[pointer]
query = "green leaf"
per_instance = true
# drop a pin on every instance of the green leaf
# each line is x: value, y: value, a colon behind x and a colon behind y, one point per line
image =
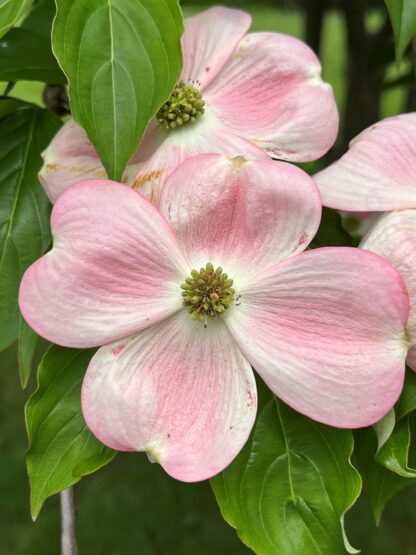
x: 9, y: 104
x: 122, y: 60
x: 11, y: 11
x: 407, y: 401
x: 287, y: 491
x: 24, y: 207
x: 394, y: 454
x: 331, y: 232
x: 26, y: 349
x: 384, y: 428
x: 40, y: 18
x: 26, y: 52
x: 26, y: 55
x: 380, y: 483
x: 403, y: 19
x: 61, y: 448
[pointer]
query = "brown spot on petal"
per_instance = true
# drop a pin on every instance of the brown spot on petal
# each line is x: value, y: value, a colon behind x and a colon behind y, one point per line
x: 207, y: 69
x: 251, y: 397
x: 117, y: 350
x: 141, y: 180
x: 94, y: 172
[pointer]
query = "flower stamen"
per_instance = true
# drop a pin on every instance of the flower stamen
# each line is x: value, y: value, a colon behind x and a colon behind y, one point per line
x: 207, y: 293
x: 185, y: 105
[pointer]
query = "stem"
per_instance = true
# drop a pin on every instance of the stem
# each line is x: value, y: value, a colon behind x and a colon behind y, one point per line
x: 68, y: 537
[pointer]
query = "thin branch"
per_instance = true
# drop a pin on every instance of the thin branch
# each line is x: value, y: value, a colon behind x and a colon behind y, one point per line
x: 68, y: 536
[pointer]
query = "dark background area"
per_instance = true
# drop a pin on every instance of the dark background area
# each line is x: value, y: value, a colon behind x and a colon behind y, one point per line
x: 132, y: 506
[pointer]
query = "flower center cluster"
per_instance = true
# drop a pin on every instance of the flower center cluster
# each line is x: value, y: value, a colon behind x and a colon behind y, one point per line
x: 185, y: 105
x: 207, y: 293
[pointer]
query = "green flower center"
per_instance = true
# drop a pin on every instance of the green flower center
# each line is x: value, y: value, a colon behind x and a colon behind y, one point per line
x: 185, y: 105
x: 207, y: 293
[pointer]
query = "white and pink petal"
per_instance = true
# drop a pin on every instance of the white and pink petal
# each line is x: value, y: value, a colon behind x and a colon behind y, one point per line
x: 242, y: 215
x: 394, y: 237
x: 378, y: 172
x: 184, y: 394
x: 70, y: 158
x: 161, y: 151
x: 209, y: 40
x: 115, y: 268
x: 326, y: 331
x: 271, y: 93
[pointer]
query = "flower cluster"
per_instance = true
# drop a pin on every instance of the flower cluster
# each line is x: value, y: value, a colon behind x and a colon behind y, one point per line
x: 200, y: 270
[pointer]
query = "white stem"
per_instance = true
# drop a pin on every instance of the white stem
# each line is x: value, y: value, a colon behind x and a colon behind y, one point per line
x: 68, y: 536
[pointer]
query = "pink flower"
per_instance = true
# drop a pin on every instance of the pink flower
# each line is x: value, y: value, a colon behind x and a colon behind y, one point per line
x: 379, y: 173
x: 324, y: 328
x: 394, y: 237
x: 259, y: 89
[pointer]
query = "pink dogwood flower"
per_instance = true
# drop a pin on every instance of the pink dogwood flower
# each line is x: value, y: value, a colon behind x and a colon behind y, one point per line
x: 237, y: 92
x: 379, y: 173
x: 394, y: 237
x: 187, y: 297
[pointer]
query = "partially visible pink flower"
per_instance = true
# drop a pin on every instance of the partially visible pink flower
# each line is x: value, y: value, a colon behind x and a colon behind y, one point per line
x: 323, y: 328
x: 262, y: 89
x: 378, y: 173
x: 394, y: 237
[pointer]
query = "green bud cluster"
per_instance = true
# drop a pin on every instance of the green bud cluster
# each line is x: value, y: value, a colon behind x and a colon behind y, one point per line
x: 207, y: 293
x: 184, y: 106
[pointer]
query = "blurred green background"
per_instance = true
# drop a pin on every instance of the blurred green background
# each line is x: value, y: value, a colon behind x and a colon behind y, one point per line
x: 131, y: 506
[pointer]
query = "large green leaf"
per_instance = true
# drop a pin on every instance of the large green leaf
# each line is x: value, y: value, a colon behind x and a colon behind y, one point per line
x: 403, y: 19
x: 287, y: 491
x: 26, y: 52
x: 24, y: 208
x: 40, y: 18
x: 381, y: 484
x: 11, y: 11
x: 27, y: 55
x: 61, y: 449
x: 122, y: 59
x: 9, y: 104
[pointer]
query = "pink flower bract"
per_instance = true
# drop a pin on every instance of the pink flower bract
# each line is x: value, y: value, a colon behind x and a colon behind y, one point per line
x: 323, y: 328
x: 260, y: 90
x: 394, y: 237
x: 379, y: 173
